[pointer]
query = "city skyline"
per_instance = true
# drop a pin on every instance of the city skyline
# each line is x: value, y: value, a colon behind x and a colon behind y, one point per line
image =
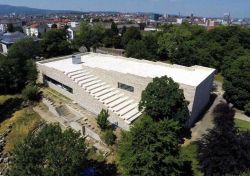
x: 212, y: 8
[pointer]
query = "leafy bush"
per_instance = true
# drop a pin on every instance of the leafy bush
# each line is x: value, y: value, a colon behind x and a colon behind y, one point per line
x: 109, y: 137
x: 31, y: 92
x: 247, y: 109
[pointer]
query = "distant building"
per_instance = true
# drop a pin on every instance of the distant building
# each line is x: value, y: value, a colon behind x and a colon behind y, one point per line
x: 36, y: 29
x: 179, y: 21
x: 8, y: 39
x: 211, y: 24
x: 4, y: 24
x: 154, y: 16
x: 100, y: 81
x: 73, y: 24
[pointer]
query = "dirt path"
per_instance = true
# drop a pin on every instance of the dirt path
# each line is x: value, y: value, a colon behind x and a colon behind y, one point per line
x: 45, y: 114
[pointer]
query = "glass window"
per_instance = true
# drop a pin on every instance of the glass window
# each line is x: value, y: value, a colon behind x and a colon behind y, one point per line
x: 125, y: 87
x: 67, y: 88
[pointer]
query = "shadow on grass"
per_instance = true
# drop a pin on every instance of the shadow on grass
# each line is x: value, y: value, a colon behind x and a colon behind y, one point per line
x: 102, y: 168
x: 9, y: 107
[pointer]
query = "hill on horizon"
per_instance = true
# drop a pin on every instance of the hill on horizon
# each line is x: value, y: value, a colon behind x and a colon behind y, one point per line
x: 7, y: 9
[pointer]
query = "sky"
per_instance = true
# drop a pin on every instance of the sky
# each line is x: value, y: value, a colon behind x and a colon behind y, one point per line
x: 208, y: 8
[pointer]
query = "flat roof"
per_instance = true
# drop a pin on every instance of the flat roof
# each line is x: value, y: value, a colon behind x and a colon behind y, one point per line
x: 186, y: 75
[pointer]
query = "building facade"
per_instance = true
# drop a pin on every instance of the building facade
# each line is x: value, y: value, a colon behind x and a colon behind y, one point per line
x: 98, y: 81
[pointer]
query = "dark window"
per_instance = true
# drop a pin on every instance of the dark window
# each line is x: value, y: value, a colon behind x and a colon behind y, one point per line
x: 126, y: 87
x: 67, y: 88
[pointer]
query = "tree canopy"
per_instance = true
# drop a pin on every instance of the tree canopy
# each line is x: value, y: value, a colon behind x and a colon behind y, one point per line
x: 18, y: 68
x: 237, y: 82
x: 102, y: 119
x: 131, y: 34
x: 89, y: 36
x: 150, y: 148
x: 55, y: 43
x: 223, y: 151
x: 162, y: 99
x: 50, y: 151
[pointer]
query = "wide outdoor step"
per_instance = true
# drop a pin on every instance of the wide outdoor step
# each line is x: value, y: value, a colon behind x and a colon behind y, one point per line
x: 117, y: 102
x: 83, y: 78
x: 113, y: 98
x: 89, y: 88
x: 75, y: 73
x: 91, y: 83
x: 122, y: 105
x: 72, y: 72
x: 104, y: 92
x: 133, y: 118
x: 80, y: 75
x: 99, y: 89
x: 87, y: 81
x: 108, y: 95
x: 130, y: 114
x: 128, y: 109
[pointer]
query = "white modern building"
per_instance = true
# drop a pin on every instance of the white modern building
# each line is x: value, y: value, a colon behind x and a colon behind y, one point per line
x: 36, y: 29
x: 97, y: 81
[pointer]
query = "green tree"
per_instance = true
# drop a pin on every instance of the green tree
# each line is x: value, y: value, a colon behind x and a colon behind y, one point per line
x: 186, y: 54
x: 162, y: 99
x: 11, y: 79
x: 151, y: 43
x: 247, y: 109
x: 109, y: 137
x: 137, y: 49
x: 131, y: 33
x: 237, y: 82
x: 102, y: 119
x: 222, y: 151
x: 150, y: 148
x: 114, y: 29
x: 55, y: 43
x: 25, y: 49
x: 90, y: 36
x: 49, y: 152
x: 170, y: 40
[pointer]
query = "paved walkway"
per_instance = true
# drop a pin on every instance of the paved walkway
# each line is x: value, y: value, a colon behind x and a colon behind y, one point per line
x: 206, y: 122
x: 241, y: 116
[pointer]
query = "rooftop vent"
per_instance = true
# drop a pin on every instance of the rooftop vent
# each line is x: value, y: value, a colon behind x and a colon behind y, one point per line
x: 76, y: 59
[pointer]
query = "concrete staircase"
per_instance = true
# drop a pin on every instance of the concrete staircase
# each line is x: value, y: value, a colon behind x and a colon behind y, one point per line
x: 115, y: 101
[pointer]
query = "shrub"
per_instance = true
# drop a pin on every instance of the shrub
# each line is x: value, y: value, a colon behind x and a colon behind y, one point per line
x: 30, y: 92
x: 109, y: 137
x: 247, y: 109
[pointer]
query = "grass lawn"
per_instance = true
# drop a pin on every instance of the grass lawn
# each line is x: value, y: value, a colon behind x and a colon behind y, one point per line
x: 23, y: 121
x: 4, y: 98
x: 189, y: 153
x: 242, y: 124
x: 48, y: 92
x: 219, y: 77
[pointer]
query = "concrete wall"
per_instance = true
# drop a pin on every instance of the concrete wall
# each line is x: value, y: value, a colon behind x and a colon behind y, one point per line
x: 4, y: 48
x: 198, y: 97
x: 89, y: 132
x: 79, y: 95
x: 202, y: 97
